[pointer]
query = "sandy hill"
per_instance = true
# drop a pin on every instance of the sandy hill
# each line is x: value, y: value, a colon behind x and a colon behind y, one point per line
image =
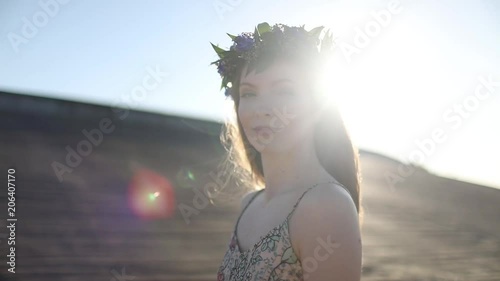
x: 82, y: 227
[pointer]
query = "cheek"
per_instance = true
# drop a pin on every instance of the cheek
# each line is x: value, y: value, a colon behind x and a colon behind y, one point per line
x: 244, y: 115
x: 295, y: 119
x: 242, y: 111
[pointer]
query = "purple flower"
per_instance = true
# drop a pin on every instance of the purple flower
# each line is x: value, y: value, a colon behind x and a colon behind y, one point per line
x: 243, y: 42
x: 221, y: 67
x: 227, y: 93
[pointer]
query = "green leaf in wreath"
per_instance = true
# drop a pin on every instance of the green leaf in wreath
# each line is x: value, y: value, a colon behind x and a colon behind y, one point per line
x: 224, y: 83
x: 263, y: 28
x: 256, y: 35
x: 221, y: 52
x: 215, y: 62
x: 327, y: 44
x: 315, y: 32
x: 232, y: 36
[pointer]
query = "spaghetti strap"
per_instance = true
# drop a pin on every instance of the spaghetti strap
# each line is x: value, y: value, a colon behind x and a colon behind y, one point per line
x: 297, y: 203
x: 244, y: 208
x: 298, y: 200
x: 346, y: 189
x: 294, y: 207
x: 253, y: 197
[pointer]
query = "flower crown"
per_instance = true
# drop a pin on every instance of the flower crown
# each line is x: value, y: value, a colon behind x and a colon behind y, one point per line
x: 267, y: 40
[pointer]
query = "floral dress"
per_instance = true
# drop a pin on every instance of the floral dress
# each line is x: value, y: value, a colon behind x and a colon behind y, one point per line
x: 271, y: 258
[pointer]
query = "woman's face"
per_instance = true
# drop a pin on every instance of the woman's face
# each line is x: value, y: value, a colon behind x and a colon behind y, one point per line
x: 279, y: 101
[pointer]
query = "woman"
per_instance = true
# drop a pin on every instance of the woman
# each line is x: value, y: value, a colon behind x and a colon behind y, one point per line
x: 291, y: 146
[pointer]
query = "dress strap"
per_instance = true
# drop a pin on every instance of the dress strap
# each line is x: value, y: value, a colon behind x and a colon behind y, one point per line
x: 297, y: 203
x: 244, y: 208
x: 253, y: 197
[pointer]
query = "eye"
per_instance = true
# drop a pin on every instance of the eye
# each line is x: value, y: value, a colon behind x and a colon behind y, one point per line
x: 285, y: 92
x: 243, y: 95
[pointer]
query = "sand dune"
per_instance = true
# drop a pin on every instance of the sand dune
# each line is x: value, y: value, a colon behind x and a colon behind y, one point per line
x: 425, y: 228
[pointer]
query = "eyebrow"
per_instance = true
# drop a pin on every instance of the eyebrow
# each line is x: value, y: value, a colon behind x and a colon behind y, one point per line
x: 272, y: 84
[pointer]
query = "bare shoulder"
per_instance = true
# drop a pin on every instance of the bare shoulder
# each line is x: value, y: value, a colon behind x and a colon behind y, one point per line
x: 329, y: 204
x: 326, y: 228
x: 330, y: 199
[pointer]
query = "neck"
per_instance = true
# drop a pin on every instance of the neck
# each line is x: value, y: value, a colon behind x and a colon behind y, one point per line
x: 294, y: 169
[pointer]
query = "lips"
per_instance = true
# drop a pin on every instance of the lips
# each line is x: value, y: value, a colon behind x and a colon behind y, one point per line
x: 263, y: 129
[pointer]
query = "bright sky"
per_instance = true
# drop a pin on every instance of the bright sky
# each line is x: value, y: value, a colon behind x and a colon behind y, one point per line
x: 415, y: 78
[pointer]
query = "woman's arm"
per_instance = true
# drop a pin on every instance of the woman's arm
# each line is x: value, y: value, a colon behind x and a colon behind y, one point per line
x: 328, y: 236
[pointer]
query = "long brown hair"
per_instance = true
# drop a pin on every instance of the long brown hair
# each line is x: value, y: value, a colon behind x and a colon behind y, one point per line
x: 333, y: 144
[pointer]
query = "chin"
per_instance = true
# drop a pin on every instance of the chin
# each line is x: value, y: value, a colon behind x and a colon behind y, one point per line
x: 272, y: 146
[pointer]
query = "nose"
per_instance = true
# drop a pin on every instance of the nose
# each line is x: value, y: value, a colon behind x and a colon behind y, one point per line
x: 263, y: 110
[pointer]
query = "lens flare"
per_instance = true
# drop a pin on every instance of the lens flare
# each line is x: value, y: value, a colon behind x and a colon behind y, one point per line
x: 185, y: 177
x: 151, y: 196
